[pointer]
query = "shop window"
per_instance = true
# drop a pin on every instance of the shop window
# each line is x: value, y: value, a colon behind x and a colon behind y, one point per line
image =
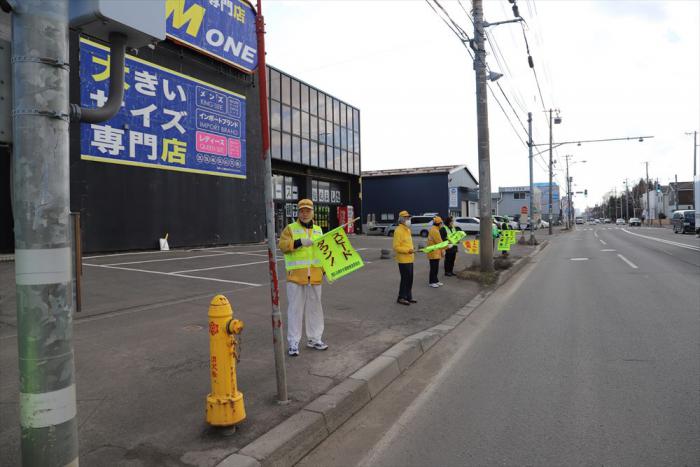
x: 304, y: 97
x: 275, y: 84
x: 313, y: 101
x: 313, y: 130
x: 329, y: 108
x: 329, y: 157
x: 286, y: 119
x: 296, y: 122
x: 314, y: 190
x: 275, y: 116
x: 286, y: 90
x: 278, y: 183
x: 343, y: 114
x: 305, y: 124
x: 296, y: 149
x: 286, y: 147
x: 295, y: 94
x: 322, y: 156
x: 322, y: 216
x: 276, y: 144
x: 313, y: 152
x: 336, y: 111
x: 321, y: 105
x: 305, y: 151
x: 336, y: 159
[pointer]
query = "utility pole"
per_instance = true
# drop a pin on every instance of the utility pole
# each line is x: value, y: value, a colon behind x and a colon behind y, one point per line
x: 695, y: 152
x: 648, y: 205
x: 627, y: 200
x: 675, y: 191
x: 277, y: 335
x: 532, y: 192
x: 43, y: 247
x: 486, y: 245
x: 550, y: 168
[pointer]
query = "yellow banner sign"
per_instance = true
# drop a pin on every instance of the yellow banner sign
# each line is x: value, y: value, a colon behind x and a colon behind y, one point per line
x: 338, y: 257
x: 471, y: 246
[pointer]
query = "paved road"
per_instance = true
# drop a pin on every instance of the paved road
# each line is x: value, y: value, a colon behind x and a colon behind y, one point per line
x: 591, y: 357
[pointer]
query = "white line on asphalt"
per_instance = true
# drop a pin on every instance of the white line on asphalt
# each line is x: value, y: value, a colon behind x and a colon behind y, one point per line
x: 608, y: 249
x: 668, y: 242
x: 220, y: 267
x: 579, y: 259
x: 602, y: 241
x: 629, y: 263
x: 595, y: 233
x: 159, y: 260
x: 174, y: 274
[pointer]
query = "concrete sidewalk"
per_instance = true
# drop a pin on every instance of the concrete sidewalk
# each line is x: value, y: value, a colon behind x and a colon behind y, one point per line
x: 142, y: 357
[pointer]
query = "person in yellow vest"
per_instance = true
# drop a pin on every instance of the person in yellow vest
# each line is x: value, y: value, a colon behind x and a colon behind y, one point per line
x: 435, y: 255
x: 451, y: 253
x: 403, y: 247
x: 304, y: 279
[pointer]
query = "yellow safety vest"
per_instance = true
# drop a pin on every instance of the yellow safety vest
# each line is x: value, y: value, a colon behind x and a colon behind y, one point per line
x: 304, y: 257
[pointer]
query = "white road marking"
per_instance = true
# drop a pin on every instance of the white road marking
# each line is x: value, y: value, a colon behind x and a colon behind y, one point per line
x: 629, y: 263
x: 608, y: 249
x: 602, y: 241
x: 220, y: 267
x: 668, y: 242
x: 595, y: 233
x: 579, y: 259
x: 175, y: 275
x: 158, y: 260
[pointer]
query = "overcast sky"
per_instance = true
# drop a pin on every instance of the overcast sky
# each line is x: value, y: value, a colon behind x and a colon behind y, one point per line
x: 613, y: 68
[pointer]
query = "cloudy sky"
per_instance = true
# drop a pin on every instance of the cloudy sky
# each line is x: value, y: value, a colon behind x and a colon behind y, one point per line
x: 614, y: 69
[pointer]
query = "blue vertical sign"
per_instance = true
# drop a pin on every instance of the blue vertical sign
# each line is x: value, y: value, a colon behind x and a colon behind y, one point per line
x: 167, y: 121
x: 222, y: 29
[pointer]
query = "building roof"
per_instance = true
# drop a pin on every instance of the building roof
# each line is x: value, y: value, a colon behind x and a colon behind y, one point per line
x: 417, y: 171
x: 681, y: 185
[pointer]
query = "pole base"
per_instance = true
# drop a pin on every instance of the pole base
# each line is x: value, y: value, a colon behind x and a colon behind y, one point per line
x: 225, y: 410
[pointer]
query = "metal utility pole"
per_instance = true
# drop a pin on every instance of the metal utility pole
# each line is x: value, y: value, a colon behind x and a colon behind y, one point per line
x: 675, y: 191
x: 695, y: 152
x: 648, y: 205
x: 277, y: 334
x: 43, y: 251
x: 486, y: 245
x: 529, y: 146
x: 550, y: 171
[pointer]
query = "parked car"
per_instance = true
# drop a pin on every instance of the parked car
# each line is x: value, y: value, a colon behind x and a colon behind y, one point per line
x: 635, y: 221
x: 683, y: 221
x: 579, y: 220
x: 607, y: 220
x: 620, y: 222
x: 502, y: 219
x: 420, y: 225
x: 467, y: 224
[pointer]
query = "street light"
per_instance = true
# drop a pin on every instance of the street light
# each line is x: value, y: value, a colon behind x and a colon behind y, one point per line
x: 557, y: 121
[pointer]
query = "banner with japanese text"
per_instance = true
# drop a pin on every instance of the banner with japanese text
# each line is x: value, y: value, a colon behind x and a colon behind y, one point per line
x: 338, y: 257
x: 168, y: 120
x: 222, y: 29
x: 471, y: 247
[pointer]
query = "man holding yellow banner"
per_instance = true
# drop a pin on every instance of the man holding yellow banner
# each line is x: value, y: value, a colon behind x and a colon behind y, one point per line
x: 304, y: 279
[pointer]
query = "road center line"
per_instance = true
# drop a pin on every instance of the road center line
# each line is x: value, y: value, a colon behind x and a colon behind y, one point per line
x: 668, y: 242
x: 629, y: 263
x: 602, y: 241
x: 608, y: 249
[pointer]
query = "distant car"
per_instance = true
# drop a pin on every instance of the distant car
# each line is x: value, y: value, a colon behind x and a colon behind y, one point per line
x: 579, y: 220
x: 467, y: 224
x: 501, y: 219
x: 635, y: 221
x: 596, y: 221
x: 420, y: 225
x: 607, y: 220
x: 591, y: 221
x: 620, y: 222
x: 683, y: 221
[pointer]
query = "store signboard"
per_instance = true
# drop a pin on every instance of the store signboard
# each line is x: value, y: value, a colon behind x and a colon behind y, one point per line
x: 168, y: 121
x: 222, y: 29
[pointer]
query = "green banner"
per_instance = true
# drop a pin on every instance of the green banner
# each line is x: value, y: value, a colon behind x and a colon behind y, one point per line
x: 338, y: 257
x: 456, y: 236
x: 437, y: 246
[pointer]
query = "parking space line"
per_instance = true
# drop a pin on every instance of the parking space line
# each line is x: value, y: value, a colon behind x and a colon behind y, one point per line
x: 159, y: 260
x: 221, y: 267
x: 629, y: 263
x: 175, y: 275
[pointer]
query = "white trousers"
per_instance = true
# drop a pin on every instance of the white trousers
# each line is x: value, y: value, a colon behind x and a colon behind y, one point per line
x: 304, y: 298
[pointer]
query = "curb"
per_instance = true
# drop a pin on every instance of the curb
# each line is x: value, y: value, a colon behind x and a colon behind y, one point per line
x: 291, y: 440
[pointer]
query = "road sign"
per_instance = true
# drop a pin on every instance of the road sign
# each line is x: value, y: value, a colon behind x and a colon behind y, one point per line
x: 523, y: 210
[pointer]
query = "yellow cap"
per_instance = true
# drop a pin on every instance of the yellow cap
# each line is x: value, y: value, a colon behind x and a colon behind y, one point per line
x: 305, y: 204
x: 404, y: 214
x: 437, y: 220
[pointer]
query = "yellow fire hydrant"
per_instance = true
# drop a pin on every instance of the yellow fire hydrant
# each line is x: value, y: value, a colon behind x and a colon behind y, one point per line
x: 224, y: 403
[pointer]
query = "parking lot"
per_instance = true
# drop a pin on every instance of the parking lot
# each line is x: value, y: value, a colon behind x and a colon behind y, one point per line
x: 142, y: 350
